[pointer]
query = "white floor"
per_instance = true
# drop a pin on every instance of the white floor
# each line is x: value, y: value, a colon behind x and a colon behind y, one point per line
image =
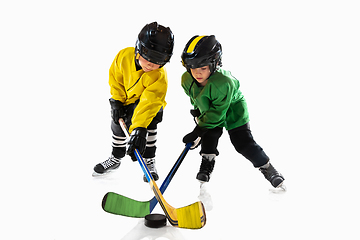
x: 298, y: 64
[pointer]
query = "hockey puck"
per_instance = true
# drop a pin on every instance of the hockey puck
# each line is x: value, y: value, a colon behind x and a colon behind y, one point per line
x: 155, y: 220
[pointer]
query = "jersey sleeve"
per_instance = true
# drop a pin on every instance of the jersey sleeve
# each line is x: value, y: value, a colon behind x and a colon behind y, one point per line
x: 186, y: 82
x: 151, y: 100
x: 117, y: 89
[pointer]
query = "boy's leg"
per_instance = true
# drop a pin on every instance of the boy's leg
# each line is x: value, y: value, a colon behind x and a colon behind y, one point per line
x: 150, y: 150
x: 119, y: 138
x: 118, y: 143
x: 209, y: 143
x: 118, y: 152
x: 245, y: 144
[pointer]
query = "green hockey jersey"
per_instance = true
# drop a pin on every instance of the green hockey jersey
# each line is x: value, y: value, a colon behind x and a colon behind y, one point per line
x: 220, y: 101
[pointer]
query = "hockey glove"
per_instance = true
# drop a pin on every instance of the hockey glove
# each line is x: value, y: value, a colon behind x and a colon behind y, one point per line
x: 117, y: 110
x: 196, y: 114
x: 137, y: 141
x: 194, y: 137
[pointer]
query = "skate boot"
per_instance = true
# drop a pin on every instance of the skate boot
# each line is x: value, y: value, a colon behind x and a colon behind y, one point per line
x: 111, y: 164
x: 273, y: 176
x: 150, y: 163
x: 206, y: 167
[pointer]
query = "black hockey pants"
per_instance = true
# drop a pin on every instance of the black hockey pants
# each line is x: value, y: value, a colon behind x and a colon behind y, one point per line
x: 242, y: 140
x: 119, y: 139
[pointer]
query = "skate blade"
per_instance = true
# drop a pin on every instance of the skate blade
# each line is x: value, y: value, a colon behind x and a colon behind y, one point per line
x: 95, y: 174
x: 279, y: 190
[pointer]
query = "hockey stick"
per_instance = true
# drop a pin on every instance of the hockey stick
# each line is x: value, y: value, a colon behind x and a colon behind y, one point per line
x: 118, y: 204
x: 192, y: 216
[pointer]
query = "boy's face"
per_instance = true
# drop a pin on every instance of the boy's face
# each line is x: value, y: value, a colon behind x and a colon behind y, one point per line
x: 201, y: 74
x: 146, y: 65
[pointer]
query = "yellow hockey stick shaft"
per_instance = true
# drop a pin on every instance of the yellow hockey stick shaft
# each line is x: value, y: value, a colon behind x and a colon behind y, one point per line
x: 192, y: 216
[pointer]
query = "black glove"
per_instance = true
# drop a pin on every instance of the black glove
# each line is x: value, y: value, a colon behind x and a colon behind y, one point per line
x: 195, y: 112
x: 137, y: 141
x: 117, y: 110
x: 194, y: 136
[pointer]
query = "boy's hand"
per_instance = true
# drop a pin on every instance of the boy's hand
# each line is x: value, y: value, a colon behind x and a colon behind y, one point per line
x: 137, y: 141
x: 195, y: 113
x: 194, y: 137
x: 117, y: 110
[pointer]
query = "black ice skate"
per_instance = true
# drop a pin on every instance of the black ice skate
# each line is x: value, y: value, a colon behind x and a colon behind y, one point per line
x: 150, y: 163
x: 206, y: 168
x: 110, y: 164
x: 273, y: 176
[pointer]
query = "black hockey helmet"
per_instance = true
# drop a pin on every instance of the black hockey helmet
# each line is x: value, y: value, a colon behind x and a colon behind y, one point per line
x: 155, y: 43
x: 202, y: 51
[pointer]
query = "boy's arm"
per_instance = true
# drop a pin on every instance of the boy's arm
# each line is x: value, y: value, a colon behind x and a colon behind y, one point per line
x: 220, y: 100
x: 151, y: 101
x: 186, y: 82
x: 117, y: 89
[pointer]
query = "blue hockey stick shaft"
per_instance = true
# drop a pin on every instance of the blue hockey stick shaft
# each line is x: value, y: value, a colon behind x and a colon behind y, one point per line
x: 170, y: 176
x: 146, y: 171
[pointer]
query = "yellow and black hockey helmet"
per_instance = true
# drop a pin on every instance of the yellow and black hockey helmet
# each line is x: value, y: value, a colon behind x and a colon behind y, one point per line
x: 202, y: 51
x: 155, y: 43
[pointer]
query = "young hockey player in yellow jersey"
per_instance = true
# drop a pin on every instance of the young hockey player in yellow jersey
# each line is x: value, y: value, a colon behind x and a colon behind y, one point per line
x: 138, y: 85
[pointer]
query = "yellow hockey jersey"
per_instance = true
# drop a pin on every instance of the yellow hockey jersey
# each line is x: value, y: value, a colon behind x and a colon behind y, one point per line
x: 128, y: 85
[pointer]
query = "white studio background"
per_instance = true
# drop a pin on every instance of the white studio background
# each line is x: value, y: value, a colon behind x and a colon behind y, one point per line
x: 298, y: 65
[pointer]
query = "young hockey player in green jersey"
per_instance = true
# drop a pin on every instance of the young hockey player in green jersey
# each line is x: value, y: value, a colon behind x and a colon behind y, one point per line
x: 219, y: 103
x: 138, y: 85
